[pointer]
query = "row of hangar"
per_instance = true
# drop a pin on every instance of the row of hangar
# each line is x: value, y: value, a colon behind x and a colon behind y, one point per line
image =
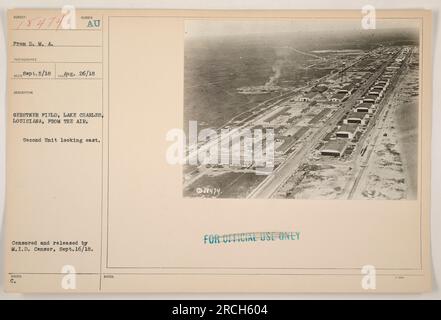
x: 359, y: 116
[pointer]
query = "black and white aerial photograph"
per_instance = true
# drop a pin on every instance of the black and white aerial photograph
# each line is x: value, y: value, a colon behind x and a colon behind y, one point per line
x: 301, y: 109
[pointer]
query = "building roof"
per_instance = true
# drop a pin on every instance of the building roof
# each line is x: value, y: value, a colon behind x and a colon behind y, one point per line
x: 356, y: 115
x: 365, y: 105
x: 335, y: 146
x: 350, y: 128
x: 370, y: 96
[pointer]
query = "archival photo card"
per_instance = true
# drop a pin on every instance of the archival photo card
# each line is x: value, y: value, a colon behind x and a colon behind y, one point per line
x: 157, y: 151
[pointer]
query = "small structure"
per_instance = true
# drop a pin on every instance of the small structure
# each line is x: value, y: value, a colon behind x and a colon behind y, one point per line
x: 334, y: 148
x: 383, y: 82
x: 365, y: 107
x: 347, y: 90
x: 378, y: 86
x: 371, y: 98
x: 356, y: 117
x: 376, y: 92
x: 347, y: 131
x: 393, y: 67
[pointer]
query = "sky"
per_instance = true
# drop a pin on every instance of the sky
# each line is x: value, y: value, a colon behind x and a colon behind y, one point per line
x: 204, y: 28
